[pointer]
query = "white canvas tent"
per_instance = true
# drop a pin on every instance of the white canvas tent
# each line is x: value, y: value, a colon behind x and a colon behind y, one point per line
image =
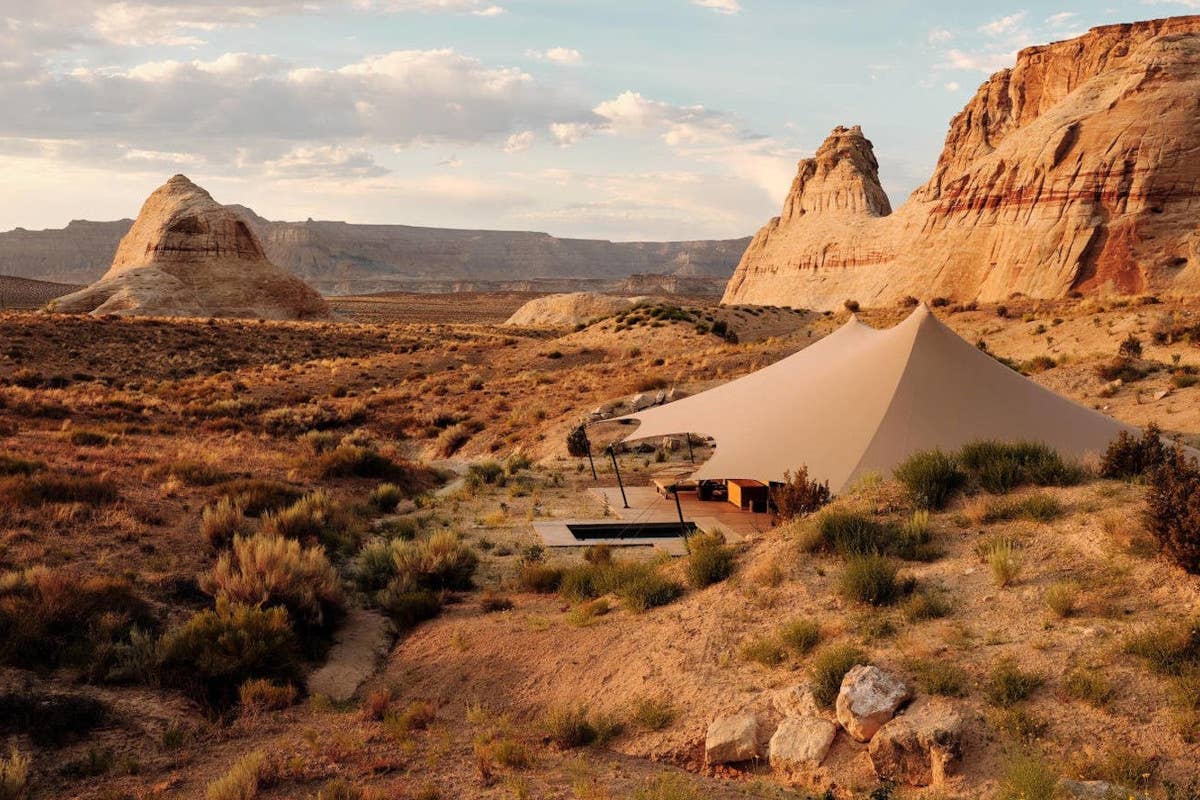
x: 863, y: 400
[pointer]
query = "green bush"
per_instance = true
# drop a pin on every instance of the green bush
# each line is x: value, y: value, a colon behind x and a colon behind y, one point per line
x: 645, y: 590
x: 1000, y: 467
x: 374, y: 568
x: 800, y: 635
x: 353, y: 461
x: 1169, y: 648
x: 438, y: 563
x: 710, y: 560
x: 1008, y: 684
x: 829, y: 667
x: 940, y: 677
x: 930, y: 478
x: 1173, y: 509
x: 639, y: 584
x: 925, y: 605
x: 1027, y: 777
x: 570, y: 727
x: 1088, y: 685
x: 408, y: 607
x: 1129, y: 457
x: 654, y: 713
x: 764, y: 650
x: 539, y: 578
x: 315, y: 519
x: 216, y: 651
x: 872, y: 579
x: 852, y: 533
x: 386, y: 497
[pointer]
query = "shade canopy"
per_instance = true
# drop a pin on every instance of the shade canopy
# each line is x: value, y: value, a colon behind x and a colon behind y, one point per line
x: 863, y: 400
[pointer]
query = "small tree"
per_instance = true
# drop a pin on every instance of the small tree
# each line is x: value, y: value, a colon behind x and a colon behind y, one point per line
x: 577, y: 442
x: 1131, y: 347
x: 1173, y: 509
x: 798, y: 495
x: 1128, y: 457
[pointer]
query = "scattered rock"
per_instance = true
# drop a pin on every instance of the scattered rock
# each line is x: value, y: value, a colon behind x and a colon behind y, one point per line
x: 801, y: 742
x: 731, y: 739
x: 919, y: 748
x: 869, y: 697
x: 796, y: 701
x: 1161, y: 394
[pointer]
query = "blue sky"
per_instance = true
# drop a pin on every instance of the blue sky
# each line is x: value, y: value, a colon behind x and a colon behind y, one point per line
x: 621, y: 119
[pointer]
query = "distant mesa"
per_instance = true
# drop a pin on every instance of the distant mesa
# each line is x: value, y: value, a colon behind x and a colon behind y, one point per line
x: 1074, y: 171
x: 189, y: 256
x: 569, y: 310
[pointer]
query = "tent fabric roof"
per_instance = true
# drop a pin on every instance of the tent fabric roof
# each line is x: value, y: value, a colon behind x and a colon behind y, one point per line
x: 863, y: 400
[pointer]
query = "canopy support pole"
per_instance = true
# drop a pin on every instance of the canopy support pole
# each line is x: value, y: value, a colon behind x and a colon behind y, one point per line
x: 691, y: 455
x: 683, y: 531
x: 587, y: 443
x: 613, y: 454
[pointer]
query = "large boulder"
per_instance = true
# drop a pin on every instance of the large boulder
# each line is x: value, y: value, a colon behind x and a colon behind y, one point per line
x: 189, y: 256
x: 919, y: 748
x: 869, y: 697
x: 801, y: 743
x: 796, y: 701
x: 732, y: 739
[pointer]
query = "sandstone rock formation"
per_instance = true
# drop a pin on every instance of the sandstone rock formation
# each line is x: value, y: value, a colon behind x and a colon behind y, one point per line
x: 921, y: 748
x: 568, y: 310
x: 1072, y: 171
x: 801, y: 743
x: 731, y: 739
x: 187, y: 255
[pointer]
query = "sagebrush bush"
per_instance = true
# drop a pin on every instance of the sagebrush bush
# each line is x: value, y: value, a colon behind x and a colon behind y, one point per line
x: 46, y: 488
x: 1169, y: 648
x: 765, y: 650
x: 14, y: 775
x: 258, y: 694
x: 570, y: 727
x: 1008, y: 684
x: 221, y: 522
x: 1088, y: 685
x: 242, y: 780
x: 1027, y: 777
x: 387, y: 497
x: 940, y: 677
x: 540, y: 578
x: 638, y: 584
x: 269, y: 570
x: 1000, y: 467
x: 315, y: 519
x: 642, y: 591
x: 217, y: 650
x: 374, y: 568
x: 799, y: 495
x: 256, y: 496
x: 1173, y: 509
x: 353, y: 461
x: 710, y: 560
x: 440, y: 562
x: 654, y: 713
x: 850, y: 533
x: 407, y: 606
x: 828, y: 669
x: 53, y: 617
x: 1129, y: 457
x: 872, y: 579
x: 191, y: 472
x: 800, y: 635
x: 930, y: 478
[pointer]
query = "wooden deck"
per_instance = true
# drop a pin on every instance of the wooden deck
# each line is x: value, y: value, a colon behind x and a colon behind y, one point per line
x: 647, y: 505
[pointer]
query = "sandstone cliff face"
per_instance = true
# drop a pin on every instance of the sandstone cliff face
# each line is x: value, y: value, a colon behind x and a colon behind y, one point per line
x: 188, y: 255
x: 1073, y: 171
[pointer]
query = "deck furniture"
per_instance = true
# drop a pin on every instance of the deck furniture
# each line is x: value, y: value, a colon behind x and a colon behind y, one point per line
x: 748, y: 494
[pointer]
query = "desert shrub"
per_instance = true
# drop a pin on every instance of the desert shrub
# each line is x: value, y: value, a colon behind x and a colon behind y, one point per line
x: 354, y: 461
x: 644, y: 590
x: 930, y: 478
x: 256, y: 496
x: 638, y: 584
x: 242, y: 780
x: 1000, y: 467
x: 852, y: 306
x: 317, y: 442
x: 295, y: 420
x: 485, y: 473
x: 1003, y: 559
x: 314, y: 519
x: 451, y: 440
x: 492, y: 601
x: 1172, y: 649
x: 654, y: 713
x: 926, y: 604
x: 188, y: 471
x: 1173, y: 509
x: 1039, y: 507
x: 1008, y: 684
x: 14, y: 775
x: 764, y: 650
x: 577, y: 442
x: 51, y: 618
x: 42, y: 488
x: 800, y: 635
x: 710, y: 560
x: 588, y: 612
x: 211, y: 655
x: 1062, y: 597
x: 50, y: 719
x: 540, y: 578
x: 872, y: 579
x: 374, y: 568
x: 940, y: 677
x: 1119, y: 766
x: 669, y: 786
x: 13, y: 465
x: 222, y: 521
x: 851, y: 533
x: 1123, y: 369
x: 1027, y: 777
x: 386, y: 497
x: 258, y: 694
x: 341, y: 789
x: 269, y: 571
x: 798, y: 495
x: 1088, y: 685
x: 1131, y: 347
x: 569, y: 727
x: 440, y: 562
x: 828, y: 668
x: 1129, y: 457
x: 408, y: 607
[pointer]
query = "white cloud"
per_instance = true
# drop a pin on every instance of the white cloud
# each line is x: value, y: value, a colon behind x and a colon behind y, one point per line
x: 322, y: 161
x: 939, y: 36
x: 569, y: 133
x: 519, y: 142
x: 557, y: 55
x: 720, y: 6
x: 1003, y: 25
x: 988, y: 61
x: 1061, y: 18
x: 952, y: 86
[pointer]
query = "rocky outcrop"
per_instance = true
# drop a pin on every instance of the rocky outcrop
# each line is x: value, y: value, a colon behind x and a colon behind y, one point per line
x: 923, y: 747
x: 868, y: 699
x: 568, y: 310
x: 801, y: 743
x: 188, y: 255
x: 1072, y: 171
